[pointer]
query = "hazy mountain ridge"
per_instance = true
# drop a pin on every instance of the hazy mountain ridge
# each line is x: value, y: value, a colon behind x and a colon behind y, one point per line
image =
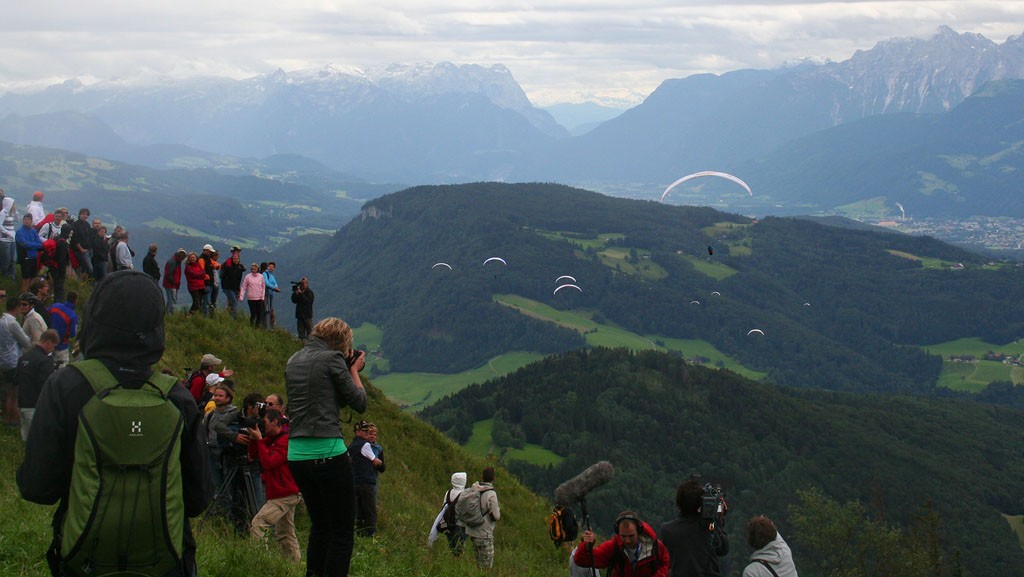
x: 438, y: 123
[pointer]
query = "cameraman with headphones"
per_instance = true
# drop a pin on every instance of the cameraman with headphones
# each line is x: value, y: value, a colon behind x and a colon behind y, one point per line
x: 634, y: 550
x: 696, y: 539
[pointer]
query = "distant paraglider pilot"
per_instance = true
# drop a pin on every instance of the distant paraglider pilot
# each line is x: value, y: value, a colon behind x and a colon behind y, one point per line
x: 711, y: 250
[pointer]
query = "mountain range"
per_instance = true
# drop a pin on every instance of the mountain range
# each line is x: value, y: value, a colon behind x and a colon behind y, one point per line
x: 907, y: 136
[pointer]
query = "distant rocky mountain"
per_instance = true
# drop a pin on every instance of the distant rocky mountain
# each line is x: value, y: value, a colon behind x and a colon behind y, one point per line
x: 423, y: 122
x: 448, y: 123
x: 709, y: 122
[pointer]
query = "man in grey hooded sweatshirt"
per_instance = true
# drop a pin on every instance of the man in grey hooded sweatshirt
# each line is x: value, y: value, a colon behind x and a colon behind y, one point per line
x: 771, y: 556
x: 483, y: 534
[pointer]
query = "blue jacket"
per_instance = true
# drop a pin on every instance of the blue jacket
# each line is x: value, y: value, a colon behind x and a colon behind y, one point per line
x: 29, y: 241
x: 66, y: 329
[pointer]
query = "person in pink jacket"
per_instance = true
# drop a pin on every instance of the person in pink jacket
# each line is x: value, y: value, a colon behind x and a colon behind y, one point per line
x: 253, y: 290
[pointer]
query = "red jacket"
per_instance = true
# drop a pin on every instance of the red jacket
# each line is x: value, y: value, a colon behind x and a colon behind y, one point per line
x: 272, y: 453
x: 172, y: 272
x: 653, y: 556
x: 195, y: 276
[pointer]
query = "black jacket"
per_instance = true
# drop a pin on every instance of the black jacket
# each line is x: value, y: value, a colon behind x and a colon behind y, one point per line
x: 303, y: 303
x: 150, y: 266
x: 34, y: 367
x: 231, y: 273
x: 689, y: 547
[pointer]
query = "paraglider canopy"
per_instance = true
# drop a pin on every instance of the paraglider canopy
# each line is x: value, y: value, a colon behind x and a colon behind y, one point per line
x: 565, y: 286
x: 752, y: 331
x: 724, y: 175
x: 442, y: 264
x: 559, y: 279
x: 498, y: 259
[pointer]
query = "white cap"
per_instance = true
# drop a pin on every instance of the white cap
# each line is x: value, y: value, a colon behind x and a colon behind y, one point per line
x: 208, y: 247
x: 213, y: 379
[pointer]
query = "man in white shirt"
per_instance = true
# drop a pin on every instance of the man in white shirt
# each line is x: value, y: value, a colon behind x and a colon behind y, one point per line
x: 35, y: 208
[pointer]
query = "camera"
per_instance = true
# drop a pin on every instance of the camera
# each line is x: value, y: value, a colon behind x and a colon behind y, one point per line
x: 713, y: 506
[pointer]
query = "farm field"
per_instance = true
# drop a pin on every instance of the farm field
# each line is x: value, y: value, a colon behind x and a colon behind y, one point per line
x: 480, y: 444
x: 973, y: 377
x: 413, y: 391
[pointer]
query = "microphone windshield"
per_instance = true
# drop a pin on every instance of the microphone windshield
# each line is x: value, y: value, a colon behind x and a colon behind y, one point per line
x: 576, y: 489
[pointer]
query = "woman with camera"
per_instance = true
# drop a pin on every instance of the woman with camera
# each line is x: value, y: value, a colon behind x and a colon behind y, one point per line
x: 320, y: 379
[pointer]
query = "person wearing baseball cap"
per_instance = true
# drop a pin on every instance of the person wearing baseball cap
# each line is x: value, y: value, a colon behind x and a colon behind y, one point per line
x: 209, y: 264
x: 197, y: 381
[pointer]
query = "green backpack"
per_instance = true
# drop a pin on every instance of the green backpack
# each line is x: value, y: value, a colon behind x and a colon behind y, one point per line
x: 125, y: 510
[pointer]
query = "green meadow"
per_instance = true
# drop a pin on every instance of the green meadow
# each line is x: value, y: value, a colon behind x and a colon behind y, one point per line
x: 975, y: 376
x: 926, y: 261
x: 413, y: 391
x: 481, y: 444
x: 711, y: 268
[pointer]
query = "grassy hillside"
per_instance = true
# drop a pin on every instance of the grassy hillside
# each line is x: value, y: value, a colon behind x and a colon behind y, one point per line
x: 659, y: 419
x: 420, y: 462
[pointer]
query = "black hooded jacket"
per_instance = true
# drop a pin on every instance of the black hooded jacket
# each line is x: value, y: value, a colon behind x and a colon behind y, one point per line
x: 123, y: 327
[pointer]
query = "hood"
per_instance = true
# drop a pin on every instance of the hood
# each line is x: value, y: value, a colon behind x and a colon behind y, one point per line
x: 645, y: 530
x: 124, y: 320
x: 458, y: 481
x: 773, y: 552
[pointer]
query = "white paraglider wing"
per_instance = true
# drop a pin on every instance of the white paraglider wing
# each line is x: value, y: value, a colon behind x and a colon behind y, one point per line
x: 559, y: 279
x: 498, y: 259
x: 752, y: 331
x: 724, y: 175
x: 566, y: 286
x: 442, y: 264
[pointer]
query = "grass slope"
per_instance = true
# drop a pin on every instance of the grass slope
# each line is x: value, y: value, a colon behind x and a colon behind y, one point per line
x: 420, y: 462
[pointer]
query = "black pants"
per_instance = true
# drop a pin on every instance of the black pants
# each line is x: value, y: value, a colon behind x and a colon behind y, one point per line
x: 366, y: 510
x: 327, y: 489
x: 303, y: 327
x: 255, y: 313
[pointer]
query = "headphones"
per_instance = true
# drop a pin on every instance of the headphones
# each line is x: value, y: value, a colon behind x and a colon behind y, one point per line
x: 627, y: 516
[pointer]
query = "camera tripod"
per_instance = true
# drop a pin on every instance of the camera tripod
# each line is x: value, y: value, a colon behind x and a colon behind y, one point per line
x: 236, y: 494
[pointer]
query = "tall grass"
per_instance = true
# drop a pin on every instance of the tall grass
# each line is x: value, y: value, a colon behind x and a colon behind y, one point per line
x: 419, y: 459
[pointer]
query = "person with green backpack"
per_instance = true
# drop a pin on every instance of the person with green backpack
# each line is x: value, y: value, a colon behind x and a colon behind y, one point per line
x: 119, y: 445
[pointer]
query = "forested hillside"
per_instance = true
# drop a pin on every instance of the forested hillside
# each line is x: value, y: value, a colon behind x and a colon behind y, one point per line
x: 837, y: 307
x: 658, y: 420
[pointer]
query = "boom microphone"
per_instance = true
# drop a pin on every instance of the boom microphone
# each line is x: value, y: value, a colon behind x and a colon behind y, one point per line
x: 576, y: 489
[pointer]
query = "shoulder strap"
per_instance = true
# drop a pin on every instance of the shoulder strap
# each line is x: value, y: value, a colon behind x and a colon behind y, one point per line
x: 101, y: 379
x: 767, y: 565
x: 99, y: 376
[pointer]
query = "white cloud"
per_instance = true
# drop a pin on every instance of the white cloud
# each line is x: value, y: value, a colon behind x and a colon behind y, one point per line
x: 558, y: 50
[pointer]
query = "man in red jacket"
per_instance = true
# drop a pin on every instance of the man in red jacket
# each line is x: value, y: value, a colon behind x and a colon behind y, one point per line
x: 634, y: 551
x: 282, y: 492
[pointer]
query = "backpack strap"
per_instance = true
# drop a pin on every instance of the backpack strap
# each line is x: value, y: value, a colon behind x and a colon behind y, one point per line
x: 101, y: 379
x: 767, y: 566
x: 67, y: 323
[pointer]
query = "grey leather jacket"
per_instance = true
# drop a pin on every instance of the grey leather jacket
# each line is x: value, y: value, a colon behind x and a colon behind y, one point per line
x: 318, y: 384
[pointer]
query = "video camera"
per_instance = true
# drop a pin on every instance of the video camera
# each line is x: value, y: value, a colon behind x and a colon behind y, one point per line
x: 712, y: 506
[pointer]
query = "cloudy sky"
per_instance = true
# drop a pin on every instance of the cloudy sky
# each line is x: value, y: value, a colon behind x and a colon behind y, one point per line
x: 558, y: 50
